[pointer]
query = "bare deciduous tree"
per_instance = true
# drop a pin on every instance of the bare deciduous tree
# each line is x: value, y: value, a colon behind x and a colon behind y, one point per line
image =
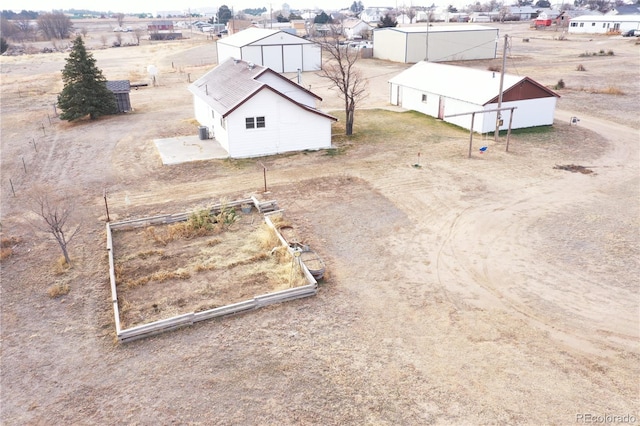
x: 55, y: 214
x: 55, y: 25
x: 411, y: 14
x: 137, y: 34
x: 120, y: 18
x: 342, y: 72
x: 8, y: 28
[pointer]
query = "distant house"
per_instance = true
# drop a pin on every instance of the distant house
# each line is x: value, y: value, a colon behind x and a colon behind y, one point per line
x: 278, y: 50
x: 374, y: 14
x: 253, y: 111
x: 604, y: 24
x: 521, y: 13
x: 435, y: 43
x: 121, y: 90
x: 625, y: 9
x: 355, y: 28
x: 442, y: 90
x: 163, y: 30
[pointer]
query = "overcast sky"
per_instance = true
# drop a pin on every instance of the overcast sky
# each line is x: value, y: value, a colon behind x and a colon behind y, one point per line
x: 129, y: 6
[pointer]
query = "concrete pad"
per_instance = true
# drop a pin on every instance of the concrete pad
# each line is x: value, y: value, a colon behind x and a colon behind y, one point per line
x: 183, y: 149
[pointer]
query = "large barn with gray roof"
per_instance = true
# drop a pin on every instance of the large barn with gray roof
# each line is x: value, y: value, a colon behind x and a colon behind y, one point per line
x: 278, y: 50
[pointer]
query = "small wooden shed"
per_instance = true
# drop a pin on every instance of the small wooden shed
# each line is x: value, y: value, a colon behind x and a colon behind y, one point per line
x: 121, y: 89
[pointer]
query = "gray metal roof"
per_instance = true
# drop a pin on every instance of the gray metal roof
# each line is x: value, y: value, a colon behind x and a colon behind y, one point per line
x: 234, y: 81
x: 438, y: 29
x: 119, y: 86
x: 467, y: 84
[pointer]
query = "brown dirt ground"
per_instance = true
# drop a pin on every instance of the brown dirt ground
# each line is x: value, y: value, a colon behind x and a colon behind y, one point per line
x: 482, y: 291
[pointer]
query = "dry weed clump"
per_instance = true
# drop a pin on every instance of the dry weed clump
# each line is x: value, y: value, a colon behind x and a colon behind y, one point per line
x: 279, y: 221
x: 288, y: 273
x: 611, y: 90
x: 159, y: 276
x: 199, y: 224
x: 267, y: 237
x: 61, y: 266
x: 7, y: 245
x: 58, y: 290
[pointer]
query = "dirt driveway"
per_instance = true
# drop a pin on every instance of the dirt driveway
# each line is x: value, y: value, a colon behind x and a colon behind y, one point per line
x: 466, y: 291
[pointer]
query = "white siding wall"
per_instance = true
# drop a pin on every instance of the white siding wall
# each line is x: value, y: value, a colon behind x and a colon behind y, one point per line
x: 454, y: 106
x: 206, y: 116
x: 600, y: 26
x: 284, y: 58
x: 272, y: 57
x: 252, y: 54
x: 311, y: 57
x: 529, y: 113
x: 292, y: 57
x: 397, y: 46
x: 389, y: 45
x: 225, y: 52
x: 457, y: 45
x: 412, y: 100
x: 288, y: 128
x: 289, y: 89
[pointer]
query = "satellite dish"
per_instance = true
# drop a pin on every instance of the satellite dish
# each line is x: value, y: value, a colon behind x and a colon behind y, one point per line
x: 152, y: 70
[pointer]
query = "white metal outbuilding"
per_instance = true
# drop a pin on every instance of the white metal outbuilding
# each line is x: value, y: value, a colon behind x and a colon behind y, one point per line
x: 590, y: 24
x: 446, y: 91
x: 435, y: 43
x: 275, y: 49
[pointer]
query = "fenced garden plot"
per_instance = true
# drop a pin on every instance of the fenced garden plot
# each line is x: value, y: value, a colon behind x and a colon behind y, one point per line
x: 170, y: 271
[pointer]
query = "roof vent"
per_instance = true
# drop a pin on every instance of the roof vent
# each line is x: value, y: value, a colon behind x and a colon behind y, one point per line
x: 251, y: 65
x: 235, y: 61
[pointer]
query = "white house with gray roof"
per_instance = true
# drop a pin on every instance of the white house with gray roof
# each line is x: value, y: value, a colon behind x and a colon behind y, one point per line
x: 443, y: 91
x: 253, y: 111
x: 276, y: 49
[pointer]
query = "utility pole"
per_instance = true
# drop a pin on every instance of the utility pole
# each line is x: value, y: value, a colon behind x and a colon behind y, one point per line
x: 427, y: 42
x: 504, y: 64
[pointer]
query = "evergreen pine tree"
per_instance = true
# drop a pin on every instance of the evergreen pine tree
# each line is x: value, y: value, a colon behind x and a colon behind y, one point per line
x: 85, y: 90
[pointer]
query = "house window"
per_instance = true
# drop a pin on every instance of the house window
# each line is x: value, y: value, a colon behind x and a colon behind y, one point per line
x: 424, y: 98
x: 593, y: 24
x: 213, y: 114
x: 255, y: 122
x: 574, y: 24
x: 223, y: 123
x: 581, y: 24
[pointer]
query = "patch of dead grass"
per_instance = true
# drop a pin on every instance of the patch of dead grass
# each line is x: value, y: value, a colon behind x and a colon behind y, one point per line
x: 58, y: 290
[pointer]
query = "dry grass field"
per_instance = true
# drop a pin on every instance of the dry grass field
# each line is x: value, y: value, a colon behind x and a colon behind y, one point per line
x: 493, y: 290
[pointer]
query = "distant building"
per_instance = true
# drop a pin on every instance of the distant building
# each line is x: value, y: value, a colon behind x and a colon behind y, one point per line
x: 604, y: 24
x: 435, y: 43
x: 447, y: 91
x: 278, y: 50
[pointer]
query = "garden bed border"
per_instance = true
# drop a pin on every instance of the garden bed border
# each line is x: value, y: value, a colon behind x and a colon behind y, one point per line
x: 267, y: 208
